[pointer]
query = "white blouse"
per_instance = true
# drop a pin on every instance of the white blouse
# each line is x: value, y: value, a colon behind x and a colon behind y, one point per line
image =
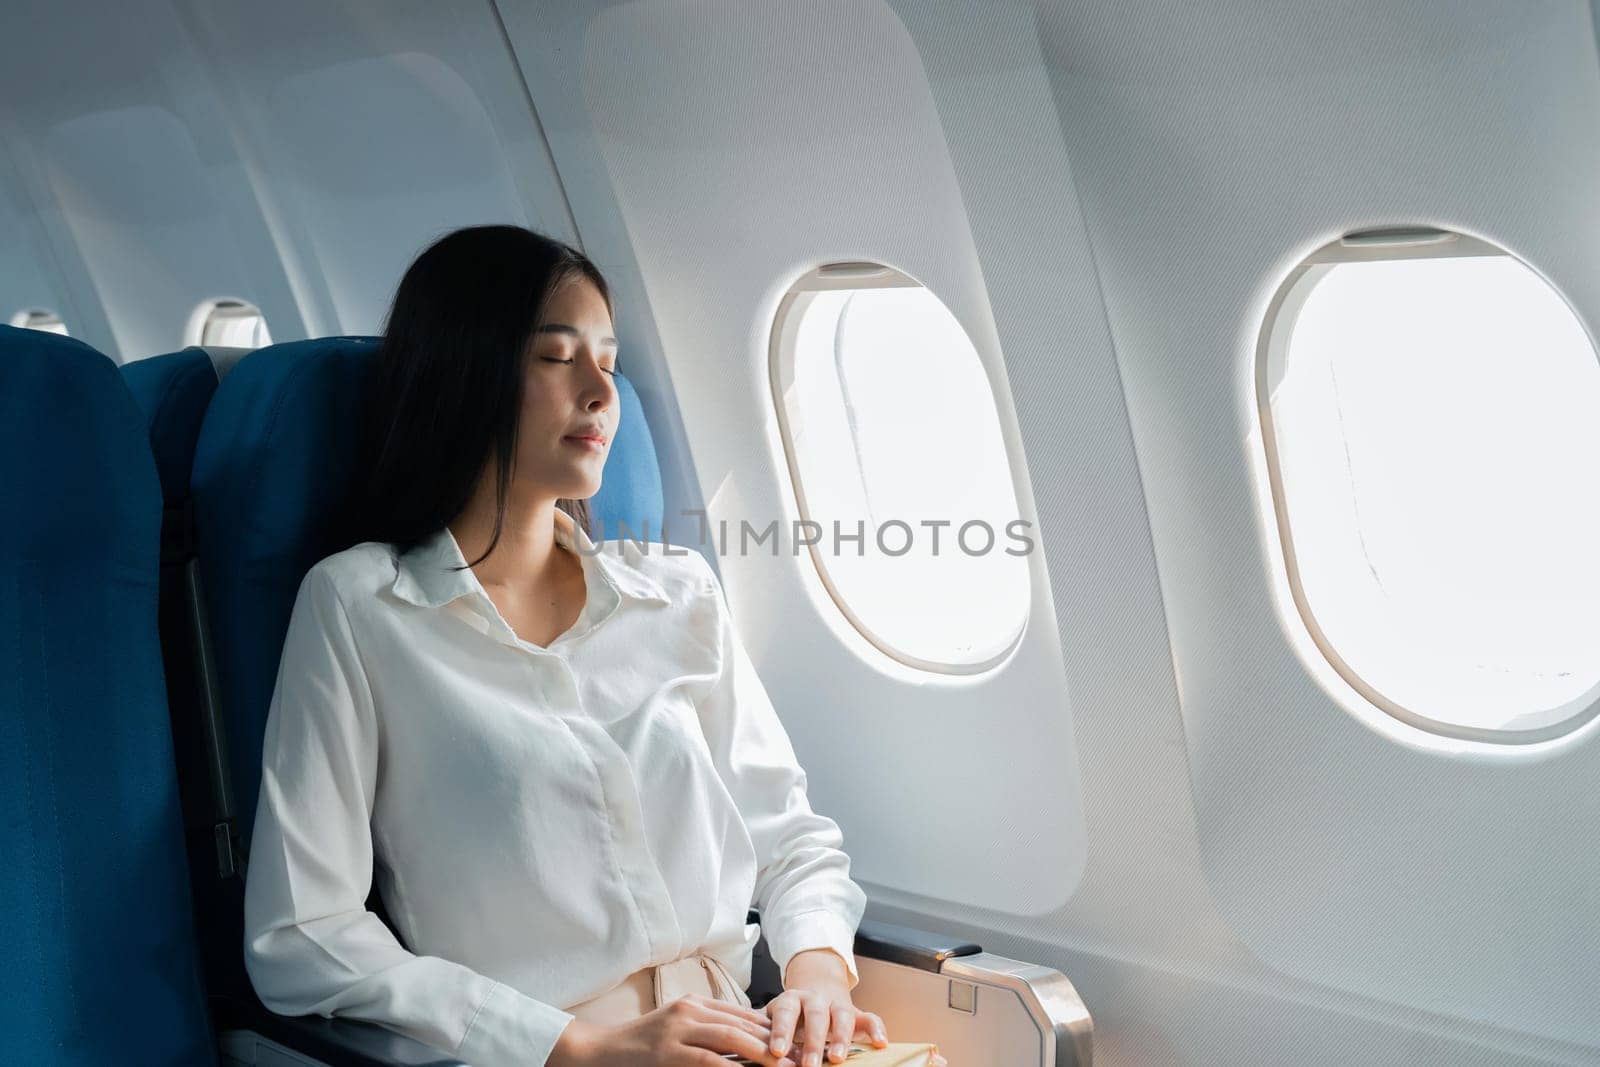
x: 542, y: 822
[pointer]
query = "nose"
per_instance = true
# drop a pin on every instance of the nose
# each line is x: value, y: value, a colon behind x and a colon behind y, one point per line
x: 599, y: 390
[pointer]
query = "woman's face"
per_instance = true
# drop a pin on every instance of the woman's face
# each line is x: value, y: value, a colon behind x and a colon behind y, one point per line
x: 569, y: 400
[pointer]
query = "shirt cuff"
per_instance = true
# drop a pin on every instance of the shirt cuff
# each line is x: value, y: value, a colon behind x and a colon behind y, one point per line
x: 791, y: 935
x: 512, y: 1029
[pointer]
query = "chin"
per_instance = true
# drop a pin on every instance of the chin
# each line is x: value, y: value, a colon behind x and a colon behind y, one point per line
x: 577, y: 488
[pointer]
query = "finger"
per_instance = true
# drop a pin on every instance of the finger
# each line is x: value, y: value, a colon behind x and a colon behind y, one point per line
x: 870, y: 1026
x: 840, y: 1030
x: 760, y: 1025
x: 814, y: 1020
x: 722, y: 1039
x: 729, y: 1007
x: 783, y: 1012
x: 711, y: 1009
x: 760, y: 1031
x: 755, y: 1015
x: 699, y: 1057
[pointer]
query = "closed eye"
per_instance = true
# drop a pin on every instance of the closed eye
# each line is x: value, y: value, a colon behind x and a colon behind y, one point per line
x: 552, y: 359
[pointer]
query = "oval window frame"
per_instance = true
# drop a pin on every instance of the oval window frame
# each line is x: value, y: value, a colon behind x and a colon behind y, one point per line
x: 1282, y: 312
x: 786, y: 322
x: 30, y: 318
x: 194, y: 330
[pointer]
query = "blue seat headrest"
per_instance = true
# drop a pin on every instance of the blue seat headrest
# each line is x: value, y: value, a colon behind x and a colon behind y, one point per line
x: 99, y: 959
x: 69, y: 420
x: 630, y: 492
x: 272, y: 467
x: 173, y: 390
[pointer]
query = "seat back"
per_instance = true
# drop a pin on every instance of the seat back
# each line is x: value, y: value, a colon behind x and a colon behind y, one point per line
x: 173, y: 391
x: 271, y: 468
x: 99, y: 959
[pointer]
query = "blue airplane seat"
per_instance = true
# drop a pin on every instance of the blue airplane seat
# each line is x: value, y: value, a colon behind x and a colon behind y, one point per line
x: 173, y: 391
x: 272, y: 465
x: 99, y: 959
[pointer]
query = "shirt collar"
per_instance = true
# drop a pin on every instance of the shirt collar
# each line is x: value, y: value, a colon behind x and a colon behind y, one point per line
x: 434, y: 571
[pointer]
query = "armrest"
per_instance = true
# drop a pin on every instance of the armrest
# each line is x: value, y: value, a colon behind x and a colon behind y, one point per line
x: 335, y: 1042
x: 909, y: 946
x: 1050, y: 1003
x: 905, y: 945
x: 1049, y: 997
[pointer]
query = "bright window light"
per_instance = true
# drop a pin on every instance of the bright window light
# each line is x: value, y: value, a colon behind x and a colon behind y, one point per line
x: 40, y: 319
x: 892, y: 430
x: 1434, y: 436
x: 228, y: 324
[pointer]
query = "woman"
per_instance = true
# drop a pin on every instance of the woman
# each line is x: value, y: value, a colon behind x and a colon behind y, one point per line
x: 556, y: 759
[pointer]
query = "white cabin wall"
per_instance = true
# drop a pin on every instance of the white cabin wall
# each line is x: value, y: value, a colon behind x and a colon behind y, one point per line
x: 296, y: 155
x: 28, y: 278
x: 374, y: 128
x: 1141, y: 937
x: 127, y: 169
x: 1215, y: 146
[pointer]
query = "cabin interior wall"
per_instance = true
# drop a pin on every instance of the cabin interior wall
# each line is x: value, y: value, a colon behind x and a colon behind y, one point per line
x: 1215, y: 146
x: 1155, y: 793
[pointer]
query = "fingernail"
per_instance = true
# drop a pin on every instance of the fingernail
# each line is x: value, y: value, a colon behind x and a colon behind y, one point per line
x: 813, y: 1060
x: 778, y: 1045
x: 837, y: 1052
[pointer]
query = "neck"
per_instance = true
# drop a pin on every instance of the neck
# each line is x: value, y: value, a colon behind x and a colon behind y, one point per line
x: 526, y: 548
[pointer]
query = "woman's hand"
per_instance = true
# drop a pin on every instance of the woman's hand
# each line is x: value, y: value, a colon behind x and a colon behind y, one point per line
x: 691, y: 1031
x: 815, y: 1011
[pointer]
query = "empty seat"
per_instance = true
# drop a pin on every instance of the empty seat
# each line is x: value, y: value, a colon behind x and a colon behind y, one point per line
x: 100, y: 964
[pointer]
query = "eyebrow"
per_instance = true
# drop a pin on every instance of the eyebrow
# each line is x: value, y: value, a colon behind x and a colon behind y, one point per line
x: 561, y: 327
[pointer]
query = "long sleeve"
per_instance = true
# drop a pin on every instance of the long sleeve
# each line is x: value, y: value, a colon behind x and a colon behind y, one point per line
x: 803, y: 887
x: 311, y: 946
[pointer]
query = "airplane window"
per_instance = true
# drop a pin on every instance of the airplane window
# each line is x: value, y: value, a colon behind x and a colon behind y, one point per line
x: 896, y: 453
x: 1429, y: 406
x: 40, y: 319
x: 228, y: 324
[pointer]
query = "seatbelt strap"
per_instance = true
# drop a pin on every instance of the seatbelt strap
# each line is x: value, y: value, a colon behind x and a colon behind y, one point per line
x: 178, y: 546
x: 231, y: 858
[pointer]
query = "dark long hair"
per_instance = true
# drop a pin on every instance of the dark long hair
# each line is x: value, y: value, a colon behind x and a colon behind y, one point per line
x: 445, y: 394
